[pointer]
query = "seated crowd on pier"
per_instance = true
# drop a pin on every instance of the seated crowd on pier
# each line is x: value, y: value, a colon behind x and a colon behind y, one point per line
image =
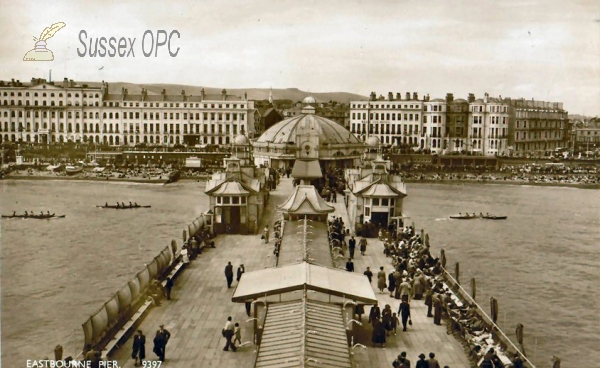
x: 417, y: 275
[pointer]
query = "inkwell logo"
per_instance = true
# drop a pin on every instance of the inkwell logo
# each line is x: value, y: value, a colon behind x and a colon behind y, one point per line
x: 40, y: 52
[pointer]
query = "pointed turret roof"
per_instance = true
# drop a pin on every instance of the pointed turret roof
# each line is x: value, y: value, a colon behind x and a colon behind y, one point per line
x: 305, y: 200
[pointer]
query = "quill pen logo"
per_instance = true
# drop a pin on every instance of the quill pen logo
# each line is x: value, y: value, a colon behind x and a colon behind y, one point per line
x: 40, y: 52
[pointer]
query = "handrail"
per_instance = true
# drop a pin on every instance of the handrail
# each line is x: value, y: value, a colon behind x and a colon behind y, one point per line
x: 491, y: 321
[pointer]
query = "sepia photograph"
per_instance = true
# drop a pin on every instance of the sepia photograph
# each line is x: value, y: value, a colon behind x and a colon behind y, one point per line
x: 260, y: 184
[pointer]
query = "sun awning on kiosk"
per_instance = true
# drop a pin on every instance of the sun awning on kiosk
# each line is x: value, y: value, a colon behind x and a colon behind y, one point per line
x: 297, y: 277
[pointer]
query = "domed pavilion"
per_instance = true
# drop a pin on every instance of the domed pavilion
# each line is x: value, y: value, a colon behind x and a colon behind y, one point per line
x: 307, y: 136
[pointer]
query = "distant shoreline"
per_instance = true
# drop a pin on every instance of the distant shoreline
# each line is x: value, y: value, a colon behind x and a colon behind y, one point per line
x: 504, y: 182
x: 408, y: 181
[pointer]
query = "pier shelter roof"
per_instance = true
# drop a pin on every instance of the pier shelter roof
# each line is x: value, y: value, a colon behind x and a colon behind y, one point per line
x: 304, y: 276
x: 230, y: 187
x: 380, y: 189
x: 305, y: 200
x: 303, y: 334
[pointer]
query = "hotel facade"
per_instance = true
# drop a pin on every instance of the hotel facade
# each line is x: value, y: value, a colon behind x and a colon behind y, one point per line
x: 47, y: 113
x: 487, y: 126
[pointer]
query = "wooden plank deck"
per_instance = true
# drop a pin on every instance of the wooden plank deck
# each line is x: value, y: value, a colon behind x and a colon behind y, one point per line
x: 200, y: 303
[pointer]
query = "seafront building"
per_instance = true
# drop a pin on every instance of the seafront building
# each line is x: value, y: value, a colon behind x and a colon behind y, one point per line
x: 585, y: 137
x: 47, y: 112
x: 539, y: 125
x: 486, y: 126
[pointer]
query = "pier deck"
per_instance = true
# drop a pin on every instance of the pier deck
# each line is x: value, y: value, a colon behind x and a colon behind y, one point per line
x: 200, y: 303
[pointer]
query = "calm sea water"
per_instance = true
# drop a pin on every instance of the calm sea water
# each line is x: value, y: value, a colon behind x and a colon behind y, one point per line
x: 541, y: 264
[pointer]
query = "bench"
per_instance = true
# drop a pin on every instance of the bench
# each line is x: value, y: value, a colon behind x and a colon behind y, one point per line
x: 124, y: 331
x: 138, y: 315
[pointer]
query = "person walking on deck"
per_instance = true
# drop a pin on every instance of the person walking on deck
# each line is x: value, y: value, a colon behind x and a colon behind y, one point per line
x: 422, y: 363
x: 433, y: 363
x: 369, y: 274
x: 351, y: 246
x: 381, y: 280
x: 363, y: 246
x: 228, y: 332
x: 404, y: 312
x: 229, y: 274
x: 160, y: 342
x: 139, y: 348
x: 429, y: 302
x: 240, y: 272
x: 350, y: 265
x: 266, y: 234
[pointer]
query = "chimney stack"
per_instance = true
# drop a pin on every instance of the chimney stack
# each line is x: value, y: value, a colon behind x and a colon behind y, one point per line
x: 471, y: 98
x: 486, y: 97
x: 202, y: 94
x: 415, y: 96
x: 224, y: 94
x: 144, y: 94
x: 398, y: 96
x: 164, y: 94
x: 449, y: 97
x: 390, y: 96
x: 407, y: 98
x: 71, y: 83
x: 373, y: 96
x: 65, y: 82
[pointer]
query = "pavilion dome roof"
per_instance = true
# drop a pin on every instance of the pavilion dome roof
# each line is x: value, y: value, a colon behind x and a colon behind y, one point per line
x: 287, y: 131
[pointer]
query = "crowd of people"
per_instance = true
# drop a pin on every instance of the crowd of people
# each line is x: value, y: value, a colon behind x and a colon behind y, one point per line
x: 417, y: 275
x: 526, y: 173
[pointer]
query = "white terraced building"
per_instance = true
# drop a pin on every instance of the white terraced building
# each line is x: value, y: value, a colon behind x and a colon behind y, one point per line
x: 488, y: 126
x: 46, y: 113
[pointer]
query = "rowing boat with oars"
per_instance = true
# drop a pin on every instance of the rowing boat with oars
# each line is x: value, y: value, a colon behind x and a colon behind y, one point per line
x: 34, y: 217
x: 488, y: 217
x: 462, y: 217
x: 126, y: 207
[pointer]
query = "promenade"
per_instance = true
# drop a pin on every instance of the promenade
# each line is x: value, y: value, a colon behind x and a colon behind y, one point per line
x: 200, y: 304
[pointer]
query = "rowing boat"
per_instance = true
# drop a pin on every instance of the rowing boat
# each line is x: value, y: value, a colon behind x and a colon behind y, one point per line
x: 123, y: 208
x: 494, y: 217
x: 34, y: 217
x: 462, y: 217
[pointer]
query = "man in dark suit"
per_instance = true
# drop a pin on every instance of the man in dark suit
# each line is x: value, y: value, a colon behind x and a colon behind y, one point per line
x: 350, y: 265
x: 139, y: 348
x: 160, y: 342
x: 351, y: 246
x: 229, y: 274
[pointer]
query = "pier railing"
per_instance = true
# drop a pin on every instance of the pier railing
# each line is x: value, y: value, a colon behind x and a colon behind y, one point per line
x: 113, y: 315
x: 455, y: 285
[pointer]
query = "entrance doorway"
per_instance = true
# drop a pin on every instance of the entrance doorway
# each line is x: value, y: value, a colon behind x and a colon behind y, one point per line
x: 380, y: 219
x: 231, y: 219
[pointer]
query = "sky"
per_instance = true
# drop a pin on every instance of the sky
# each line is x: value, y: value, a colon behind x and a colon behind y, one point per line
x: 545, y: 50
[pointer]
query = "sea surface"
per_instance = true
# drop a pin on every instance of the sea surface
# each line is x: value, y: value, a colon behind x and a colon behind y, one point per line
x: 542, y: 263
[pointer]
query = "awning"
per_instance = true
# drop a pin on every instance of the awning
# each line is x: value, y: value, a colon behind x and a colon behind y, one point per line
x: 280, y: 280
x: 303, y: 334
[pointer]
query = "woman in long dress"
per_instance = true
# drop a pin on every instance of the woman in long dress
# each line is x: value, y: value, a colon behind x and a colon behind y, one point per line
x: 378, y: 336
x: 381, y: 279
